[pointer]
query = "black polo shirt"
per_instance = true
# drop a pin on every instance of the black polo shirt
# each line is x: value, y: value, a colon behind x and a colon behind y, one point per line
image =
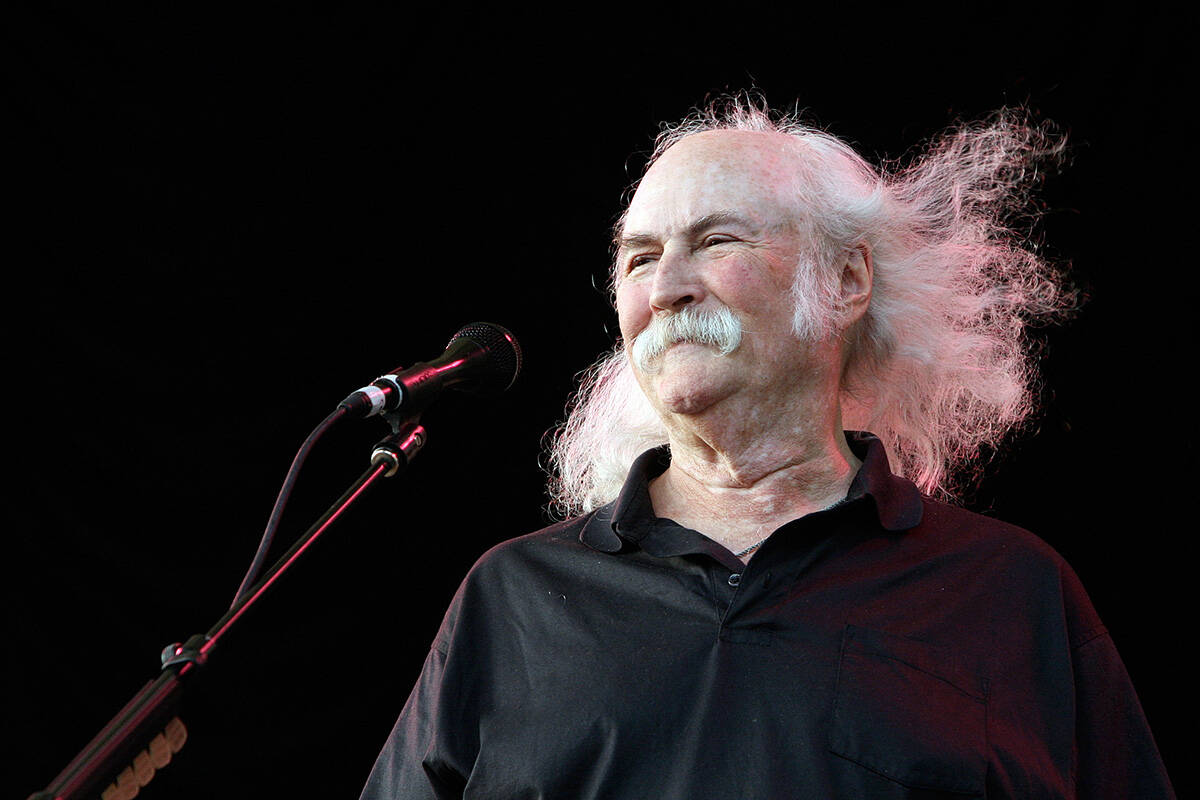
x: 888, y: 647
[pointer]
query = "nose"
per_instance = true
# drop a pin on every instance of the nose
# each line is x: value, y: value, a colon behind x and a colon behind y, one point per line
x: 677, y: 284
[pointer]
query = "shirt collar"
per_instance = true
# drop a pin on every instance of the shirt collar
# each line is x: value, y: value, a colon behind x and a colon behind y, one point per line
x: 631, y: 517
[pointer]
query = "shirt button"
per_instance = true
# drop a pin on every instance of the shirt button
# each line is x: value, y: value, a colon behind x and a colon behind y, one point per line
x: 735, y: 579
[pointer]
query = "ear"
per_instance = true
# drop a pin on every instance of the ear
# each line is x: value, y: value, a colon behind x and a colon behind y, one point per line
x: 858, y: 277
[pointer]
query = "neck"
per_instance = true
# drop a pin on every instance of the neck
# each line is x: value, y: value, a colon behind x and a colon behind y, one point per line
x: 738, y: 479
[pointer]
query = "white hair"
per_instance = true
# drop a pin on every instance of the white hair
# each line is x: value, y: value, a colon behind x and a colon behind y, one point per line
x: 940, y: 365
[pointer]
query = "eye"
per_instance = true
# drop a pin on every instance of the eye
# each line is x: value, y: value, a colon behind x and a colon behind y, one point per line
x: 638, y: 261
x: 717, y: 238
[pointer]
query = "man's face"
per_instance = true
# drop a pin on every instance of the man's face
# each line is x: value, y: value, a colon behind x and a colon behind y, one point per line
x: 712, y: 225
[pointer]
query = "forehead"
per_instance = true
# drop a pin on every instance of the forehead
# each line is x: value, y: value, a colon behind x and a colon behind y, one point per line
x: 744, y: 173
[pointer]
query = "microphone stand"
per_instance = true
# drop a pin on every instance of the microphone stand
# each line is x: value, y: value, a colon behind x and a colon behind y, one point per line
x: 145, y: 733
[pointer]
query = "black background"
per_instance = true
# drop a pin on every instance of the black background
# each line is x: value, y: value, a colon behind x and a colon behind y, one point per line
x: 220, y: 224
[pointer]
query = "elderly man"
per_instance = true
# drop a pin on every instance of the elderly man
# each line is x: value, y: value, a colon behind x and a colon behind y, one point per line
x: 755, y: 601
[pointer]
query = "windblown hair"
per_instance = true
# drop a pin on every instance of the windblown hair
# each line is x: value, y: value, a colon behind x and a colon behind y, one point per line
x: 941, y: 365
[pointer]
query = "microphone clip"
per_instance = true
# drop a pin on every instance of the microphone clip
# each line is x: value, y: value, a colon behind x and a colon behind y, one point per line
x: 398, y: 449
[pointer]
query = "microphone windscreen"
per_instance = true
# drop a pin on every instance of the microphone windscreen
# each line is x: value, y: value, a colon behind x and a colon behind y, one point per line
x: 499, y: 369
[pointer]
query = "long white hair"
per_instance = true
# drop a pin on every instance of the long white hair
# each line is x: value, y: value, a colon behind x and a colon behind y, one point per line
x: 940, y: 365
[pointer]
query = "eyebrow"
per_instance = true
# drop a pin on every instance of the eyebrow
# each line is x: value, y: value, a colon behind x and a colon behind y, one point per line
x: 624, y: 241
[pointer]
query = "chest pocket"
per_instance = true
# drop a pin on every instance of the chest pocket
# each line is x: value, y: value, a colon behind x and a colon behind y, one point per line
x: 904, y: 710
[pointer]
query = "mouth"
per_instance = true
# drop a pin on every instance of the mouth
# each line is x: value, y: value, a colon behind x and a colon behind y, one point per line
x: 682, y: 342
x: 652, y: 363
x: 719, y: 333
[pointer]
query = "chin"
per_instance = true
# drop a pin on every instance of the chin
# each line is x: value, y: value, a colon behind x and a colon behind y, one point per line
x: 687, y: 397
x: 684, y: 385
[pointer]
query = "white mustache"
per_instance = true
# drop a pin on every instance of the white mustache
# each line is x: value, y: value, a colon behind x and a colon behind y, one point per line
x: 719, y: 329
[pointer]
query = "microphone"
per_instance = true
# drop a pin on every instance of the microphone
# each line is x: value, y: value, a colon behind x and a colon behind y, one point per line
x: 482, y: 358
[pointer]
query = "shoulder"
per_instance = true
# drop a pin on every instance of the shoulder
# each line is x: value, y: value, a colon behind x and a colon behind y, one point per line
x: 1013, y: 565
x: 953, y: 528
x: 501, y: 580
x: 556, y: 545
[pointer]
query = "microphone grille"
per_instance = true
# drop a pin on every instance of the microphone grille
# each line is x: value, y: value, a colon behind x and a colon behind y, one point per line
x: 503, y: 362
